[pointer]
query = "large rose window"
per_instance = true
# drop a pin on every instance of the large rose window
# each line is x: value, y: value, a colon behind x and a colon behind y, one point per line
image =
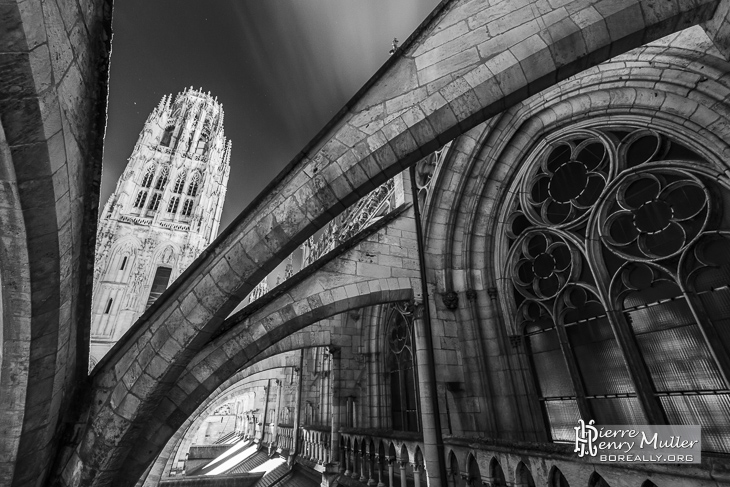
x: 655, y: 215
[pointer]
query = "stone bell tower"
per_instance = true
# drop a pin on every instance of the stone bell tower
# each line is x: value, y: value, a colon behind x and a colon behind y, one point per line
x: 165, y: 210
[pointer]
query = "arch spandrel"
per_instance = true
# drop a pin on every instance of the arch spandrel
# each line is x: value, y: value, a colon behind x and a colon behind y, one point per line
x: 347, y: 160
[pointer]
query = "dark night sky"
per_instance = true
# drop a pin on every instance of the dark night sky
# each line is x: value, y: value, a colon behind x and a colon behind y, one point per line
x: 281, y: 68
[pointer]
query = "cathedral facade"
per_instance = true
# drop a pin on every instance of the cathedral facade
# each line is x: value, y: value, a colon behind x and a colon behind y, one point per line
x: 165, y: 210
x: 520, y: 224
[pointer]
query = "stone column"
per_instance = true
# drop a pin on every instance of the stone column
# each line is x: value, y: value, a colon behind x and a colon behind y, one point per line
x: 416, y: 475
x: 391, y: 461
x: 430, y: 424
x: 297, y: 411
x: 379, y: 462
x: 355, y: 466
x: 336, y: 408
x: 267, y: 389
x: 348, y: 420
x: 403, y: 479
x: 371, y: 467
x: 346, y: 461
x: 363, y: 464
x: 275, y: 432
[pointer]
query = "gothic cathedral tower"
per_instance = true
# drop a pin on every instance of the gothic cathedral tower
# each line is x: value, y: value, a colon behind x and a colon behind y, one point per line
x: 165, y: 210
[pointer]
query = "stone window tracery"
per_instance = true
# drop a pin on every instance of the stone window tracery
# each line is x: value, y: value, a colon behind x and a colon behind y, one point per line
x: 173, y: 204
x: 179, y: 184
x: 167, y: 136
x: 148, y: 176
x: 141, y: 197
x: 154, y: 201
x: 187, y: 209
x: 193, y: 187
x: 401, y: 367
x: 619, y: 259
x: 162, y: 178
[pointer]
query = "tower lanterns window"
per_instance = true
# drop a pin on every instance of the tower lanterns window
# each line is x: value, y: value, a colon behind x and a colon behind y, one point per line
x: 167, y: 136
x: 187, y: 208
x: 162, y: 179
x: 147, y: 180
x: 193, y: 188
x: 154, y: 202
x: 173, y: 204
x: 179, y: 184
x: 108, y: 308
x: 159, y: 284
x: 141, y: 197
x: 124, y: 263
x: 202, y: 144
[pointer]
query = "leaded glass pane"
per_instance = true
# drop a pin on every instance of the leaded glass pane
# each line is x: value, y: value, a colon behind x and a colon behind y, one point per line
x: 679, y: 360
x: 711, y: 412
x: 717, y: 306
x: 552, y: 373
x: 599, y: 358
x: 617, y: 410
x: 563, y: 416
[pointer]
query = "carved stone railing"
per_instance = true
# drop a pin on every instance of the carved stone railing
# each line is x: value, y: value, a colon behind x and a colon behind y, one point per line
x: 175, y: 225
x: 369, y: 455
x: 285, y: 438
x: 315, y: 443
x: 367, y: 210
x: 137, y: 220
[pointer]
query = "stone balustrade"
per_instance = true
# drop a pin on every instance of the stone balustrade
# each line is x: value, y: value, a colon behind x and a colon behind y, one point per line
x: 285, y: 437
x: 315, y: 443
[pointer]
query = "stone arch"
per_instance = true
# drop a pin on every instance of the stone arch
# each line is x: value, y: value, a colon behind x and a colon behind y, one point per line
x: 454, y: 471
x: 126, y: 245
x: 523, y: 476
x: 496, y: 473
x: 472, y: 468
x: 15, y: 312
x: 595, y: 480
x: 330, y: 174
x: 392, y: 451
x: 405, y: 455
x: 635, y: 91
x: 245, y: 343
x: 170, y: 454
x: 51, y: 127
x: 556, y: 478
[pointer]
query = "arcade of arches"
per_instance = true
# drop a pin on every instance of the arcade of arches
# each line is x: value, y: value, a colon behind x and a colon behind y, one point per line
x: 526, y: 218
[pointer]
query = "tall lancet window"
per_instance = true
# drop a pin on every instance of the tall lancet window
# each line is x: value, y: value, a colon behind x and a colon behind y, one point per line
x: 619, y: 263
x: 156, y: 196
x: 401, y: 369
x: 148, y: 177
x: 193, y: 187
x: 167, y: 136
x: 162, y: 178
x: 159, y: 284
x: 203, y: 142
x: 179, y: 184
